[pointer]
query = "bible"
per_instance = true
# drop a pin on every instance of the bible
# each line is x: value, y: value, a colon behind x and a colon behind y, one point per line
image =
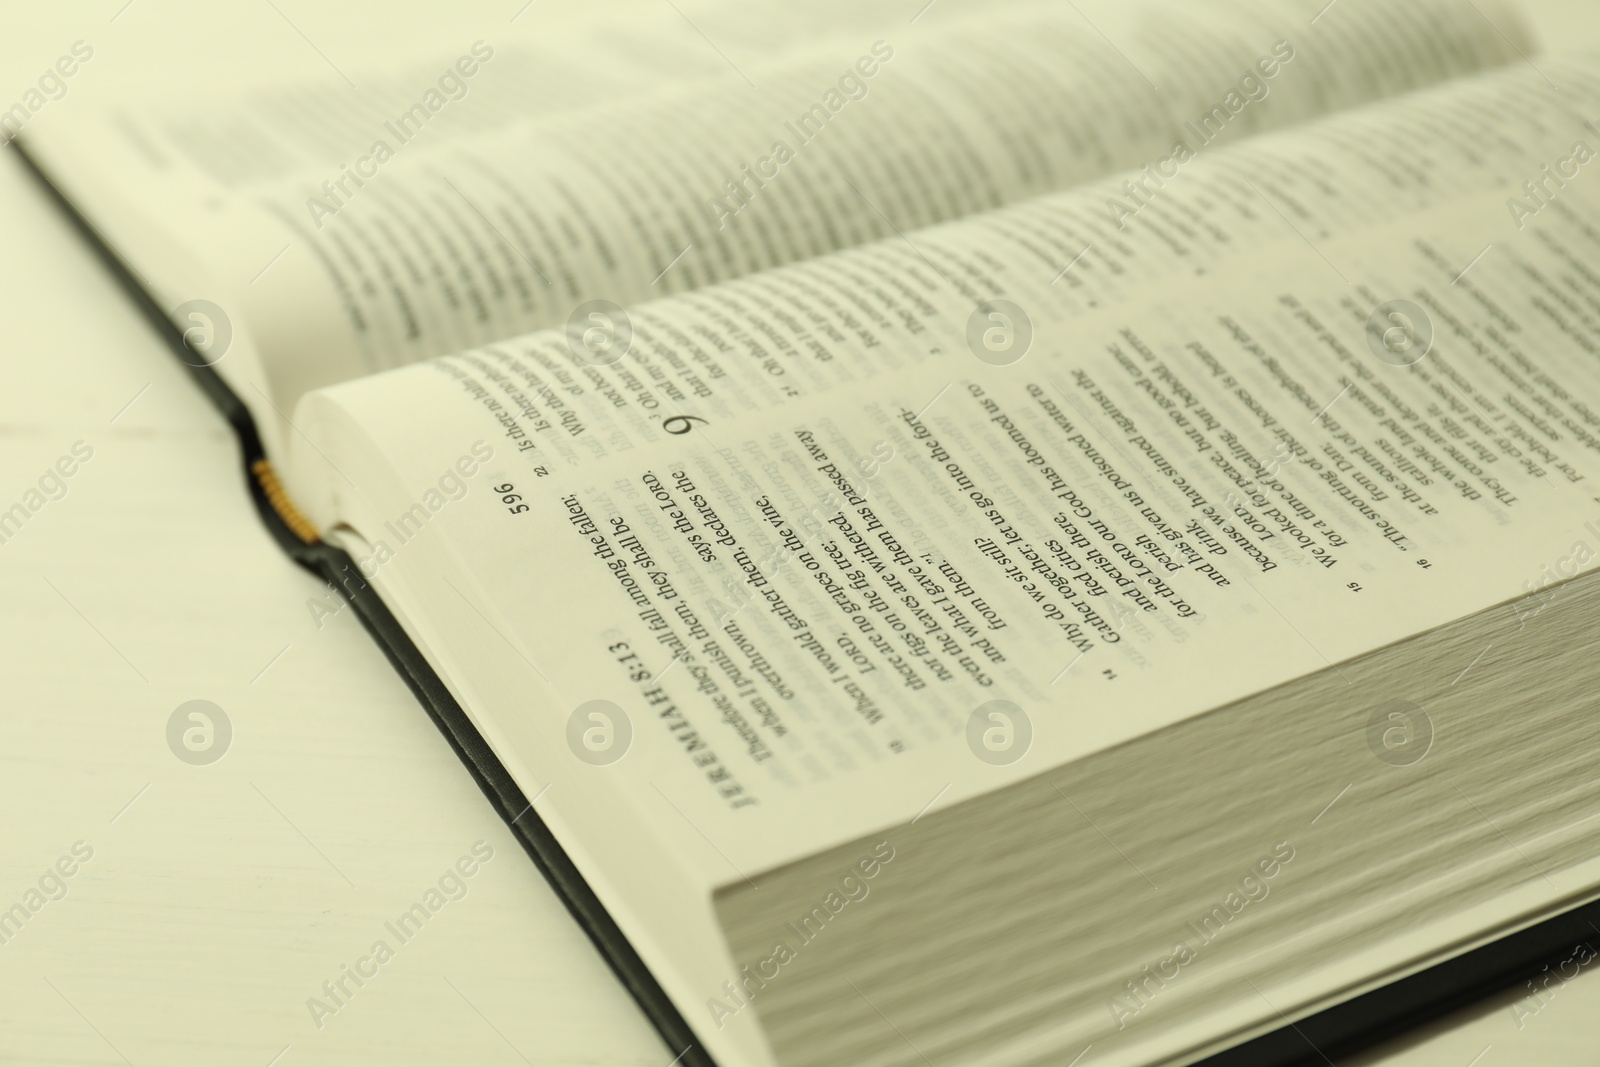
x: 1042, y: 534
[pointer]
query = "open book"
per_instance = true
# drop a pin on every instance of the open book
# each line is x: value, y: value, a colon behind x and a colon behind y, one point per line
x: 1056, y: 535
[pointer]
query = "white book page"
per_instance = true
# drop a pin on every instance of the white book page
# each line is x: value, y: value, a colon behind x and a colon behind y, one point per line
x: 814, y: 521
x: 452, y: 222
x: 471, y: 240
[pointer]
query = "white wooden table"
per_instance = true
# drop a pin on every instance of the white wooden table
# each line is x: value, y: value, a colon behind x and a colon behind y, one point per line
x: 219, y: 898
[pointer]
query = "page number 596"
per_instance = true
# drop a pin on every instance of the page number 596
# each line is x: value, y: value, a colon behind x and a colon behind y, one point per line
x: 511, y: 498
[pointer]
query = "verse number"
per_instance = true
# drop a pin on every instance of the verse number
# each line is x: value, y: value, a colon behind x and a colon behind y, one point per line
x: 511, y: 498
x: 680, y: 424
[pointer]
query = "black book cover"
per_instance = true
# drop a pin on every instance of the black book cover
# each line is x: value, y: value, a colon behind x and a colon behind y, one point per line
x: 1337, y: 1031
